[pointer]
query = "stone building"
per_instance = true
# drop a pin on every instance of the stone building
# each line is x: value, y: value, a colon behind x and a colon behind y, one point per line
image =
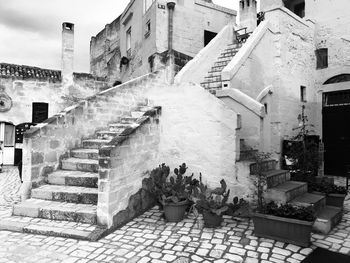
x: 29, y: 95
x: 244, y: 91
x: 151, y: 32
x: 298, y: 56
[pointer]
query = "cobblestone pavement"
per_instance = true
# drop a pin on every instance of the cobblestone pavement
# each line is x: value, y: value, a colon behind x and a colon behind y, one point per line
x: 9, y: 185
x: 149, y: 239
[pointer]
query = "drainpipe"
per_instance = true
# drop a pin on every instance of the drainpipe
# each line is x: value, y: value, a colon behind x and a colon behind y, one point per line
x: 171, y: 66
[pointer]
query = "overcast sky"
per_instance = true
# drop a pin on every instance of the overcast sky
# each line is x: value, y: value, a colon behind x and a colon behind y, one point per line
x: 30, y: 30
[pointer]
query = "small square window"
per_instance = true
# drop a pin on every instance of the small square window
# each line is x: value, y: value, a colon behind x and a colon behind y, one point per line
x: 322, y: 58
x: 302, y: 93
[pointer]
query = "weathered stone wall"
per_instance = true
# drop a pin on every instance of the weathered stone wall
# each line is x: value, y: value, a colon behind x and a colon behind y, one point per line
x: 123, y: 171
x: 24, y: 92
x: 190, y: 20
x: 198, y: 67
x: 46, y: 143
x: 200, y: 130
x: 281, y: 56
x: 294, y: 62
x: 251, y: 113
x: 104, y: 48
x: 331, y: 31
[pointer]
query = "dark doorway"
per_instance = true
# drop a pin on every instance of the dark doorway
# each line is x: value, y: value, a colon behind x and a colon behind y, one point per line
x: 40, y: 112
x: 20, y: 130
x: 336, y: 132
x: 208, y: 36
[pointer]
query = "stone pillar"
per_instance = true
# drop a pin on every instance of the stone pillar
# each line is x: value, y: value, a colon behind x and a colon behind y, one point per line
x: 67, y: 53
x: 248, y: 14
x: 92, y: 55
x: 171, y: 60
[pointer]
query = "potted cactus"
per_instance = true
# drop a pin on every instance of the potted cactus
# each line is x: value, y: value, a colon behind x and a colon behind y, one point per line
x: 172, y: 192
x: 212, y: 203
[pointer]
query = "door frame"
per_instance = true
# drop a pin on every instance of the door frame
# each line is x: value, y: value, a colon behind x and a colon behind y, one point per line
x: 7, y: 157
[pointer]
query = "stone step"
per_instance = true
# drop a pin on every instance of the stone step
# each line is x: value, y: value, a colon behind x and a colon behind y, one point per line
x: 285, y: 192
x: 64, y: 193
x: 47, y: 209
x: 119, y: 127
x: 318, y: 202
x: 215, y: 68
x: 73, y: 178
x: 227, y: 56
x: 327, y: 218
x: 108, y: 135
x: 77, y: 164
x: 137, y: 114
x: 215, y: 71
x: 128, y: 120
x: 83, y: 153
x: 222, y: 63
x: 212, y: 86
x: 266, y: 166
x: 94, y: 143
x: 276, y: 177
x: 65, y: 229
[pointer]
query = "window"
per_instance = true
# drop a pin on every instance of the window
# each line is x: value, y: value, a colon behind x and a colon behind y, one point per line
x: 299, y: 10
x: 302, y: 93
x: 9, y: 137
x: 265, y: 106
x: 40, y: 112
x: 148, y: 29
x: 147, y: 4
x: 296, y: 6
x: 128, y: 42
x: 322, y: 58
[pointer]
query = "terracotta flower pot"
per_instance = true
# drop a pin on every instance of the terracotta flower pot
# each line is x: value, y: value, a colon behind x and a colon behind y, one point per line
x: 211, y: 219
x: 175, y: 212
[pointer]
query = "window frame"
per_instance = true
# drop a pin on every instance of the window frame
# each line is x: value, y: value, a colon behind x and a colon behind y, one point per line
x: 321, y: 58
x: 128, y: 41
x: 303, y: 94
x: 148, y: 28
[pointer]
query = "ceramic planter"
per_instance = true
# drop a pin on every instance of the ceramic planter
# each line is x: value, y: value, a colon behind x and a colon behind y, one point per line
x: 297, y: 232
x: 335, y: 200
x: 175, y: 212
x: 211, y: 219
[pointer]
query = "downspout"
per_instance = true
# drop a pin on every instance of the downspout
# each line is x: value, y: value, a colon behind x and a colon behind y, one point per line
x: 171, y: 66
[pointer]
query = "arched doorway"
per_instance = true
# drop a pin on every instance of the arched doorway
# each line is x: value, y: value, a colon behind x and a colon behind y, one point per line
x: 336, y: 124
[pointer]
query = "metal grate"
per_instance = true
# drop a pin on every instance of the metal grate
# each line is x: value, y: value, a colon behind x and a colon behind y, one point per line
x: 339, y: 98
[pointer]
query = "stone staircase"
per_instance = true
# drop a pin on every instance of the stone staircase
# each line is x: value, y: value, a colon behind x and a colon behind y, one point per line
x: 281, y: 189
x: 67, y: 205
x: 213, y: 80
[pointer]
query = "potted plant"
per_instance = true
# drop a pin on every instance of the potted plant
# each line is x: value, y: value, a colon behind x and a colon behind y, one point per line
x: 335, y: 195
x: 172, y: 192
x: 287, y: 223
x: 212, y: 203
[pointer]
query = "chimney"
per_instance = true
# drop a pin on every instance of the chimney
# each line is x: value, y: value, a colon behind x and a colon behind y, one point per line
x: 248, y: 14
x: 67, y: 53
